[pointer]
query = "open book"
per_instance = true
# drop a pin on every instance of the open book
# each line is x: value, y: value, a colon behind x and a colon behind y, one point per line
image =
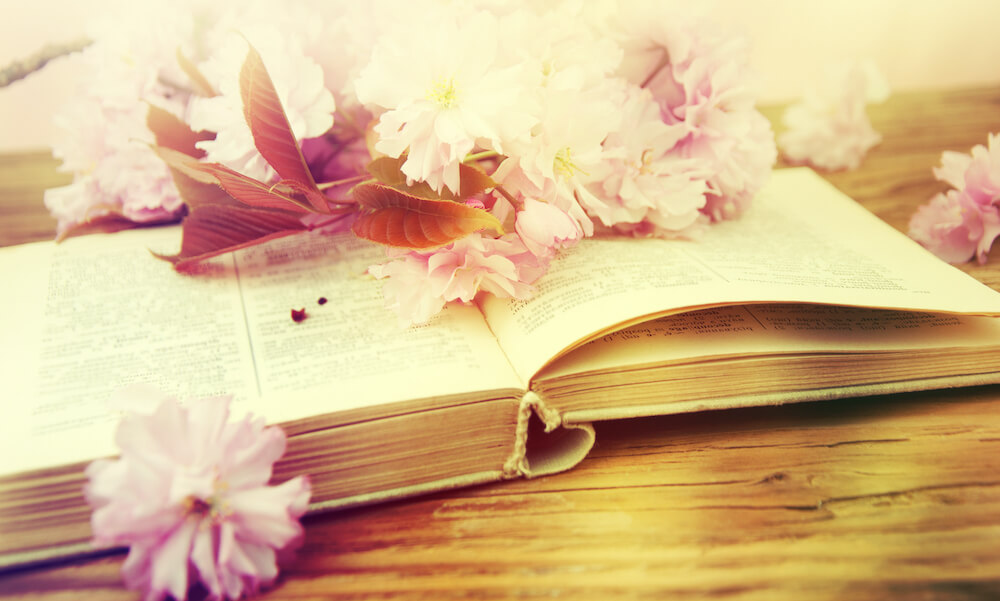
x: 807, y: 296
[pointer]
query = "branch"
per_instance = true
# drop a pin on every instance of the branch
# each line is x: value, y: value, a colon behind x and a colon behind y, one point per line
x: 23, y: 68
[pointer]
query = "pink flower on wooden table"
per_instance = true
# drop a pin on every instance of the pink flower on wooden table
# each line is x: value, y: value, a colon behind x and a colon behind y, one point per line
x: 189, y: 496
x: 962, y: 223
x: 829, y: 128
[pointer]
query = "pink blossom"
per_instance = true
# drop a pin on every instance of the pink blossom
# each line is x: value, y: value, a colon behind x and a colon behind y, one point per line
x: 565, y: 152
x: 189, y: 495
x: 706, y: 90
x: 545, y: 228
x: 419, y: 283
x: 105, y: 142
x: 829, y: 127
x: 964, y: 222
x: 950, y: 226
x: 647, y: 181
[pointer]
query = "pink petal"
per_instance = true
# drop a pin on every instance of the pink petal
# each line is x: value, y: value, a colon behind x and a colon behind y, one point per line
x: 170, y: 560
x: 244, y: 564
x: 203, y: 558
x: 948, y: 227
x: 206, y: 424
x: 952, y: 169
x: 250, y: 454
x: 159, y: 439
x: 270, y: 515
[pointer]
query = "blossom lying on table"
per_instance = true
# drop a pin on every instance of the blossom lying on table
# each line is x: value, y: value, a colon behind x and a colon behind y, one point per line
x: 189, y: 496
x: 963, y: 222
x: 829, y: 128
x: 474, y: 139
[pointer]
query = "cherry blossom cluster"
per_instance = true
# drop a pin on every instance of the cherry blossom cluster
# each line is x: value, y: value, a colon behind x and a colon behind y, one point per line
x: 190, y: 496
x: 962, y: 222
x: 601, y: 117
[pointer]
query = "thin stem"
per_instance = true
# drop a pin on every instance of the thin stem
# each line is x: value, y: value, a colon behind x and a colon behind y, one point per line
x: 507, y: 195
x: 286, y: 197
x: 338, y: 182
x: 351, y: 121
x: 23, y: 68
x: 486, y: 154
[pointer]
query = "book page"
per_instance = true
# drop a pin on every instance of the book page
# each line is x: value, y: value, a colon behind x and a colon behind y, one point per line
x: 350, y: 350
x: 800, y: 241
x: 93, y: 315
x: 741, y: 331
x: 97, y: 314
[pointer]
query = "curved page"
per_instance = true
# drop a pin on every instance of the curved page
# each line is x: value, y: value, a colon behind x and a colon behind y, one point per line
x: 800, y: 241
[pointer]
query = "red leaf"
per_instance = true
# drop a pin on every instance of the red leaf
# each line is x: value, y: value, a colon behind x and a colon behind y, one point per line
x: 473, y: 180
x: 388, y: 171
x: 195, y: 193
x: 240, y: 187
x: 171, y: 132
x: 394, y: 218
x: 272, y: 134
x: 112, y: 222
x: 213, y: 230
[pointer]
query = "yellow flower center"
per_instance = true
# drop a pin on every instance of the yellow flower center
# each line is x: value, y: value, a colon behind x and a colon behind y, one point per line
x: 564, y: 165
x: 443, y: 93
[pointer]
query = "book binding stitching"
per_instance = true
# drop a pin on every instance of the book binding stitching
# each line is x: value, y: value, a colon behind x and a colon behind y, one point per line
x: 517, y: 464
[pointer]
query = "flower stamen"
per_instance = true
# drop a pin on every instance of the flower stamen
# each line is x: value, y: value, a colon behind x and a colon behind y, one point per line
x: 564, y: 165
x: 196, y: 506
x: 443, y: 93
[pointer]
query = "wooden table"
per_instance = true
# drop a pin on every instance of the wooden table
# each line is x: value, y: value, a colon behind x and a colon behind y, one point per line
x: 866, y: 499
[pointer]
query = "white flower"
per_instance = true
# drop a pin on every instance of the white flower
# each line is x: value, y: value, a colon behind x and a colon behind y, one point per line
x: 566, y: 150
x: 444, y: 94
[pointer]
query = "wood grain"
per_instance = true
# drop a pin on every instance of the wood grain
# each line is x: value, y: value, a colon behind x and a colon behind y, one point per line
x: 23, y: 180
x: 865, y: 499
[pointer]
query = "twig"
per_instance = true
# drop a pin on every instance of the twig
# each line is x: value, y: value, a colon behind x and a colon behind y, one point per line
x: 19, y: 69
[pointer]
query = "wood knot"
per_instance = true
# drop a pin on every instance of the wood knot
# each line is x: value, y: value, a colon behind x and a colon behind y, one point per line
x: 775, y: 477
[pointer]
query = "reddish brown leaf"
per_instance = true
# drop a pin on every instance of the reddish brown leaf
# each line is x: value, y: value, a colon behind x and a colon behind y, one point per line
x: 240, y: 187
x: 171, y: 132
x: 213, y: 230
x: 395, y: 218
x: 195, y: 193
x: 272, y: 134
x: 473, y: 180
x: 388, y: 171
x: 113, y: 222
